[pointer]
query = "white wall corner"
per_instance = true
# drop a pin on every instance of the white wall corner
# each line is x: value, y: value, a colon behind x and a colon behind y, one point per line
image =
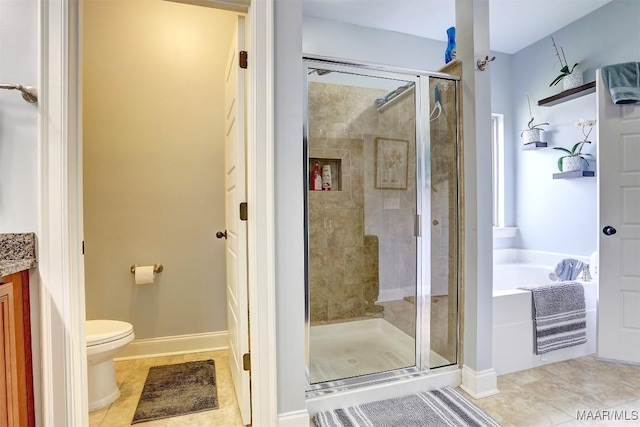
x: 479, y: 384
x: 294, y: 419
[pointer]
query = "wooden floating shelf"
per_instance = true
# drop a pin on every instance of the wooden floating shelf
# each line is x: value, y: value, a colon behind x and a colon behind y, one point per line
x: 568, y: 95
x: 575, y: 174
x: 533, y: 146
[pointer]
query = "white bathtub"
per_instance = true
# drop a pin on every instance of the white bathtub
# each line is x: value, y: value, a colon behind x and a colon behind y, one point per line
x: 513, y: 336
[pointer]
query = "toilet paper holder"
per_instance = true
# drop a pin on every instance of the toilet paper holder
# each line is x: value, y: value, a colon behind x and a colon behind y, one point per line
x: 157, y: 268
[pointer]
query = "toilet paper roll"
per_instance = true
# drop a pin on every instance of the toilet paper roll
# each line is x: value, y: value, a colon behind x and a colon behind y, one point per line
x: 144, y: 274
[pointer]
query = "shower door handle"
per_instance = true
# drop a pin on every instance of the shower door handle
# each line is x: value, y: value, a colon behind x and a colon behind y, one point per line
x: 609, y: 230
x: 221, y: 235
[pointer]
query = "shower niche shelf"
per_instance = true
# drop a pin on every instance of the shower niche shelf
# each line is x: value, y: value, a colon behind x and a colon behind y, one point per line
x: 575, y: 174
x: 569, y: 94
x: 336, y: 171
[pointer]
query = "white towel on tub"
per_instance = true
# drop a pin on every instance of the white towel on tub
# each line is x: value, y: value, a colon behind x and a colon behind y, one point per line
x: 559, y: 315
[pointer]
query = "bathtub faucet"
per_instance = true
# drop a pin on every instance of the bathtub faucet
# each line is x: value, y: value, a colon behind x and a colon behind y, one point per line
x: 585, y: 276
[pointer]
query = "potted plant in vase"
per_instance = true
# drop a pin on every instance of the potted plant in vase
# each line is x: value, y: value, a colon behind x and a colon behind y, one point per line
x: 533, y: 133
x: 575, y: 159
x: 569, y: 76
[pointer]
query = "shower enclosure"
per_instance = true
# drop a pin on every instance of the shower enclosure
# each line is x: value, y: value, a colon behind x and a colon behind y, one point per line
x: 381, y: 206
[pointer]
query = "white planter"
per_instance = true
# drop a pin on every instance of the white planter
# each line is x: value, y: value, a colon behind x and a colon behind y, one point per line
x: 572, y: 164
x: 532, y: 135
x: 572, y: 80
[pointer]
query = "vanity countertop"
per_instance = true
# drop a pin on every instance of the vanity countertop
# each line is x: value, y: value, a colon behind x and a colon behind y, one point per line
x: 17, y: 252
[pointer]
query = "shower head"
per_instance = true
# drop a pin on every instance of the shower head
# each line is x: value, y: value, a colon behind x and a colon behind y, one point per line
x: 29, y: 94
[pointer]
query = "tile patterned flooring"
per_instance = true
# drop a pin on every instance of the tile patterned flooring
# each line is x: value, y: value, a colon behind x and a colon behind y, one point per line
x: 559, y: 393
x: 552, y: 395
x: 131, y: 374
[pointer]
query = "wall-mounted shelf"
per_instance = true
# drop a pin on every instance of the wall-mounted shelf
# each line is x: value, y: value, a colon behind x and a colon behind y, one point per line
x: 568, y: 95
x: 533, y: 146
x: 575, y: 174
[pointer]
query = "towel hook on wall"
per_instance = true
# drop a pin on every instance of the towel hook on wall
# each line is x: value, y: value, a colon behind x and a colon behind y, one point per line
x: 29, y: 94
x: 482, y: 63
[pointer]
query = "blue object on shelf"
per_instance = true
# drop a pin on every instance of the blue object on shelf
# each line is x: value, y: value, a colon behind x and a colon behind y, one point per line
x: 450, y: 53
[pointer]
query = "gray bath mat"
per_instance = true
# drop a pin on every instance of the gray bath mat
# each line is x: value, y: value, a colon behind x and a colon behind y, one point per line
x: 180, y: 389
x: 437, y: 408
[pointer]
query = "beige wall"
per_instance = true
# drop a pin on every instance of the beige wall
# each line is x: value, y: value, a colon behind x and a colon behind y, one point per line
x: 153, y: 163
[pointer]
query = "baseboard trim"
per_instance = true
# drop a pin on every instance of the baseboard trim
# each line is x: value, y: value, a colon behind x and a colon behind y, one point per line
x: 479, y: 384
x: 294, y: 419
x: 178, y: 344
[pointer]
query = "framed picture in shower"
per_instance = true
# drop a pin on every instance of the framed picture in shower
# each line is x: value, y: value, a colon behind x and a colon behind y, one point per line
x: 391, y: 163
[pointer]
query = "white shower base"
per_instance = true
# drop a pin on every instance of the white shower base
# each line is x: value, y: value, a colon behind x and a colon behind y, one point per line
x: 344, y: 350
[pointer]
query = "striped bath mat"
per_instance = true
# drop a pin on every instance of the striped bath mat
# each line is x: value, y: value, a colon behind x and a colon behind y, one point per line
x: 559, y: 315
x: 436, y: 408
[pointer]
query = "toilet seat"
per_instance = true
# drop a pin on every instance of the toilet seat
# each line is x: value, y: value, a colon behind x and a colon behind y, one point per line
x: 104, y: 331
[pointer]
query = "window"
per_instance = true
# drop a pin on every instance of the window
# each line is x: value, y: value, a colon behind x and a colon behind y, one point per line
x: 500, y: 230
x: 497, y: 148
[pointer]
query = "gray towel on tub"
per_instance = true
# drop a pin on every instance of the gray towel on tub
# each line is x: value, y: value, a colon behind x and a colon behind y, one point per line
x: 559, y: 315
x: 623, y: 81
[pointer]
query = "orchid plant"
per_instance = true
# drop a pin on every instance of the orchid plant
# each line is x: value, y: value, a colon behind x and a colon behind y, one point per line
x: 530, y: 125
x: 586, y: 126
x: 565, y: 70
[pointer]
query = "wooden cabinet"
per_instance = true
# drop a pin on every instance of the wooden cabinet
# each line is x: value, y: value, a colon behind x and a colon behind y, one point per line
x: 16, y: 373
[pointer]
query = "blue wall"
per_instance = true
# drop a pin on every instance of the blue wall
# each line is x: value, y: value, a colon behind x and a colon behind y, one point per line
x: 551, y: 215
x: 560, y: 215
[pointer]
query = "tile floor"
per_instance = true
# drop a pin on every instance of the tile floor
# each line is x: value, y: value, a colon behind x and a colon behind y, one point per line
x: 131, y: 374
x: 550, y: 395
x: 558, y: 394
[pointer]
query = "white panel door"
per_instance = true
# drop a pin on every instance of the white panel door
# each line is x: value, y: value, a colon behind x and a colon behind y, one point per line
x: 619, y: 228
x: 235, y: 193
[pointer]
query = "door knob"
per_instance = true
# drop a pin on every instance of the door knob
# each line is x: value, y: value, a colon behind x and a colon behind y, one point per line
x: 221, y: 235
x: 609, y: 230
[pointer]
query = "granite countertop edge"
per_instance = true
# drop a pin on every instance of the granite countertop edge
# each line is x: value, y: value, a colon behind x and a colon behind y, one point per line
x: 17, y: 252
x: 10, y: 267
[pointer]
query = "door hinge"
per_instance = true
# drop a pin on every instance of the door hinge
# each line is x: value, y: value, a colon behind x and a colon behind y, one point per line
x: 246, y: 361
x: 243, y: 211
x: 243, y: 59
x: 83, y: 247
x: 416, y: 226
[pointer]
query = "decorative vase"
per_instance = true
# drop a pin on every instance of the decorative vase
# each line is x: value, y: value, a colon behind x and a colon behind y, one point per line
x: 572, y: 80
x: 450, y: 52
x: 532, y: 135
x: 571, y: 164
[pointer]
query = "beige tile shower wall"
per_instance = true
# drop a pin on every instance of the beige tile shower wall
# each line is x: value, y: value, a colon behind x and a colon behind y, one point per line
x: 393, y: 225
x: 343, y: 124
x: 153, y: 163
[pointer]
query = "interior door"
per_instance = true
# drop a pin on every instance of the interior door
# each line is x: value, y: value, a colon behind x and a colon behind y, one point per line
x: 619, y: 227
x: 236, y: 243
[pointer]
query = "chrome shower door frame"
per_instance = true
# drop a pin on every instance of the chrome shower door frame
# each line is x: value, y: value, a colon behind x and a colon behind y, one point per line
x: 422, y: 221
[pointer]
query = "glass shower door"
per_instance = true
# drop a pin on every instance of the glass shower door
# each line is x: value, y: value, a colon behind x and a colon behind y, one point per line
x: 379, y: 174
x: 361, y: 206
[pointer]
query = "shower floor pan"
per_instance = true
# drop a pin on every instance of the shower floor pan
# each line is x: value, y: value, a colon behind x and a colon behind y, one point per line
x: 344, y: 350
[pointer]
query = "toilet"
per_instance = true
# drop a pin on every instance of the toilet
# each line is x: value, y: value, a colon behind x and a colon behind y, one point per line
x: 104, y: 339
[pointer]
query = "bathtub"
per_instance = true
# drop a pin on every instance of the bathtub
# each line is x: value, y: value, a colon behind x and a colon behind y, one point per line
x: 513, y: 334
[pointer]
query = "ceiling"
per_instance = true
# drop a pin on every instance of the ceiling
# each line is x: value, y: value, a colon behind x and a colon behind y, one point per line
x: 514, y: 24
